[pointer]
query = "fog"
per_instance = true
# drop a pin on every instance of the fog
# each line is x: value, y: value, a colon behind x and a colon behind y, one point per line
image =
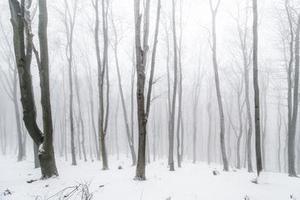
x: 194, y: 38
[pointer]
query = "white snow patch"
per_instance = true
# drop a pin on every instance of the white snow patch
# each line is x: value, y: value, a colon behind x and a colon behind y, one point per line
x: 191, y: 182
x: 41, y: 149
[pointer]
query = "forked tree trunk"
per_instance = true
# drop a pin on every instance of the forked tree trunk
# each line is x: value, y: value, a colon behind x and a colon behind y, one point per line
x: 23, y: 57
x: 141, y: 60
x: 69, y: 22
x: 102, y: 74
x: 243, y: 39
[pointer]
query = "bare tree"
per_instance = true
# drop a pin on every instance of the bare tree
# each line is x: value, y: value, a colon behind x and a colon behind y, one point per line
x: 152, y: 70
x: 21, y: 22
x: 141, y: 50
x: 102, y: 67
x: 125, y: 115
x: 246, y: 51
x: 174, y: 95
x: 256, y: 89
x: 214, y: 11
x: 69, y: 21
x: 292, y: 131
x: 179, y: 115
x: 80, y: 116
x: 91, y: 102
x: 279, y: 127
x: 10, y: 86
x: 264, y: 111
x: 209, y: 112
x: 196, y: 94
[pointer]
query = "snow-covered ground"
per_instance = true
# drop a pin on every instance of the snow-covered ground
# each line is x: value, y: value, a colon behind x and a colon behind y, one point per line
x: 191, y: 182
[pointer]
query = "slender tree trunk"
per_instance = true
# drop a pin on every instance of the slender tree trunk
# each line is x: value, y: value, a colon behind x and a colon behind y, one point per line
x: 21, y: 153
x: 79, y: 153
x: 279, y: 125
x: 69, y: 23
x: 105, y: 75
x: 218, y: 89
x: 169, y: 84
x: 128, y: 132
x: 73, y: 153
x: 92, y: 118
x: 292, y: 133
x: 81, y: 122
x: 265, y: 120
x: 173, y: 106
x: 248, y: 106
x: 117, y: 130
x: 256, y: 89
x: 195, y: 122
x: 209, y: 132
x: 240, y: 134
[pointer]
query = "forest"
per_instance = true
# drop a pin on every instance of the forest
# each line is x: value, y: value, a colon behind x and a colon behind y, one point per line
x: 149, y: 99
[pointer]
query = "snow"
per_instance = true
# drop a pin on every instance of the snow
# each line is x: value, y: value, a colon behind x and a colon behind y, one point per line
x: 191, y: 182
x: 41, y: 149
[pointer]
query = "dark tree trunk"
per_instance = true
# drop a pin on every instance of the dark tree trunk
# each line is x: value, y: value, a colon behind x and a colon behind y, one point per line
x: 292, y: 131
x: 141, y: 60
x: 256, y: 90
x: 36, y: 156
x: 23, y: 59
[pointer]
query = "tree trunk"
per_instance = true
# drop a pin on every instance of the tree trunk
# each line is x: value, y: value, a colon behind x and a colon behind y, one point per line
x: 128, y: 133
x: 217, y: 83
x: 292, y: 132
x: 209, y: 133
x: 23, y: 59
x: 256, y: 89
x: 82, y: 142
x: 173, y: 106
x: 69, y: 22
x: 279, y: 125
x: 141, y: 60
x: 92, y: 118
x: 36, y: 156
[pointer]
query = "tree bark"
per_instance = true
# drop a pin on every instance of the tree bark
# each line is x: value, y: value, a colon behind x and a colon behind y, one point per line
x: 23, y: 58
x: 256, y: 90
x: 141, y: 60
x: 292, y: 132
